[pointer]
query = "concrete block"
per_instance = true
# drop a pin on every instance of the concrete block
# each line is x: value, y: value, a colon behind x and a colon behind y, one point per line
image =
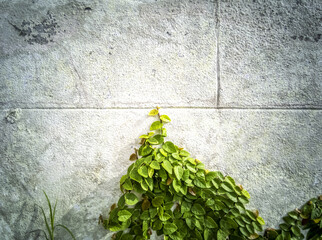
x: 96, y: 54
x: 270, y: 54
x: 79, y: 156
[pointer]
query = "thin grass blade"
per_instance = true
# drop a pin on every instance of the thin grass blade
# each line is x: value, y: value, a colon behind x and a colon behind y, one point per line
x: 50, y: 211
x: 40, y: 230
x: 66, y: 228
x: 47, y: 225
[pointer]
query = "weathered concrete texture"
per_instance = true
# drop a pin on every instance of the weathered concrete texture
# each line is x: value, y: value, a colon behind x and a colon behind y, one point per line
x: 79, y: 156
x: 270, y: 53
x: 107, y: 53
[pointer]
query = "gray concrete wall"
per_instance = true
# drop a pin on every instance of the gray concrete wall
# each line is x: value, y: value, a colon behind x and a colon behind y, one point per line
x: 241, y: 80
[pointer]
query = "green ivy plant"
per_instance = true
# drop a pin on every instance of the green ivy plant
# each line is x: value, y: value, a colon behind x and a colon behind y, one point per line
x: 168, y: 191
x: 51, y: 226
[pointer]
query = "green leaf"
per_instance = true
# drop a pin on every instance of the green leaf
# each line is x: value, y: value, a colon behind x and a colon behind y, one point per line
x: 184, y: 153
x: 164, y: 153
x: 156, y: 125
x: 153, y: 112
x: 163, y: 132
x: 176, y: 156
x: 145, y: 149
x: 185, y: 207
x: 144, y: 186
x: 228, y: 223
x: 210, y: 223
x: 153, y: 141
x: 165, y: 118
x: 155, y: 165
x: 143, y: 171
x: 176, y: 185
x: 260, y: 220
x: 163, y: 174
x: 135, y: 175
x: 123, y: 215
x: 294, y: 215
x: 245, y: 193
x: 145, y: 215
x: 296, y: 231
x: 185, y: 175
x: 121, y: 202
x: 222, y: 235
x: 200, y: 166
x: 127, y: 185
x: 210, y: 176
x: 131, y: 199
x: 157, y: 225
x: 227, y: 187
x: 149, y: 182
x: 159, y: 138
x: 199, y: 182
x: 198, y: 209
x: 150, y: 172
x: 191, y: 168
x: 167, y: 166
x: 178, y: 171
x: 169, y: 147
x: 147, y: 136
x: 164, y: 217
x: 157, y: 201
x: 169, y: 228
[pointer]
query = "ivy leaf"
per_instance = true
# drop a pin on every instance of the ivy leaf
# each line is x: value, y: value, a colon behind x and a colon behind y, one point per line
x: 198, y: 209
x: 165, y: 118
x: 178, y: 171
x: 169, y: 228
x: 167, y: 166
x: 127, y: 185
x: 245, y: 193
x: 147, y: 136
x: 133, y: 157
x: 184, y: 153
x: 228, y: 223
x: 153, y: 112
x: 145, y: 204
x: 135, y: 175
x: 210, y: 176
x: 185, y: 175
x: 296, y: 231
x: 156, y: 125
x: 131, y: 199
x: 157, y: 201
x: 143, y: 171
x: 176, y: 156
x: 222, y: 235
x: 150, y: 172
x: 159, y: 138
x: 145, y: 149
x: 176, y: 185
x: 153, y: 141
x: 169, y: 147
x: 149, y: 182
x: 123, y: 215
x: 157, y: 225
x: 210, y: 223
x: 260, y: 220
x: 155, y: 165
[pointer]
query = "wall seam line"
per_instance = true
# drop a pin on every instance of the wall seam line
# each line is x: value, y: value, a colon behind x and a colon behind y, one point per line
x: 218, y: 51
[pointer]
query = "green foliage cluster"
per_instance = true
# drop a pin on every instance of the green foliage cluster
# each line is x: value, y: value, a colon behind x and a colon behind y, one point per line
x: 168, y: 191
x: 306, y: 218
x: 50, y: 226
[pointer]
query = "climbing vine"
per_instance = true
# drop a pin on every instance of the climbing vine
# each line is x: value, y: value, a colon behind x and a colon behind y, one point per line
x: 168, y: 191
